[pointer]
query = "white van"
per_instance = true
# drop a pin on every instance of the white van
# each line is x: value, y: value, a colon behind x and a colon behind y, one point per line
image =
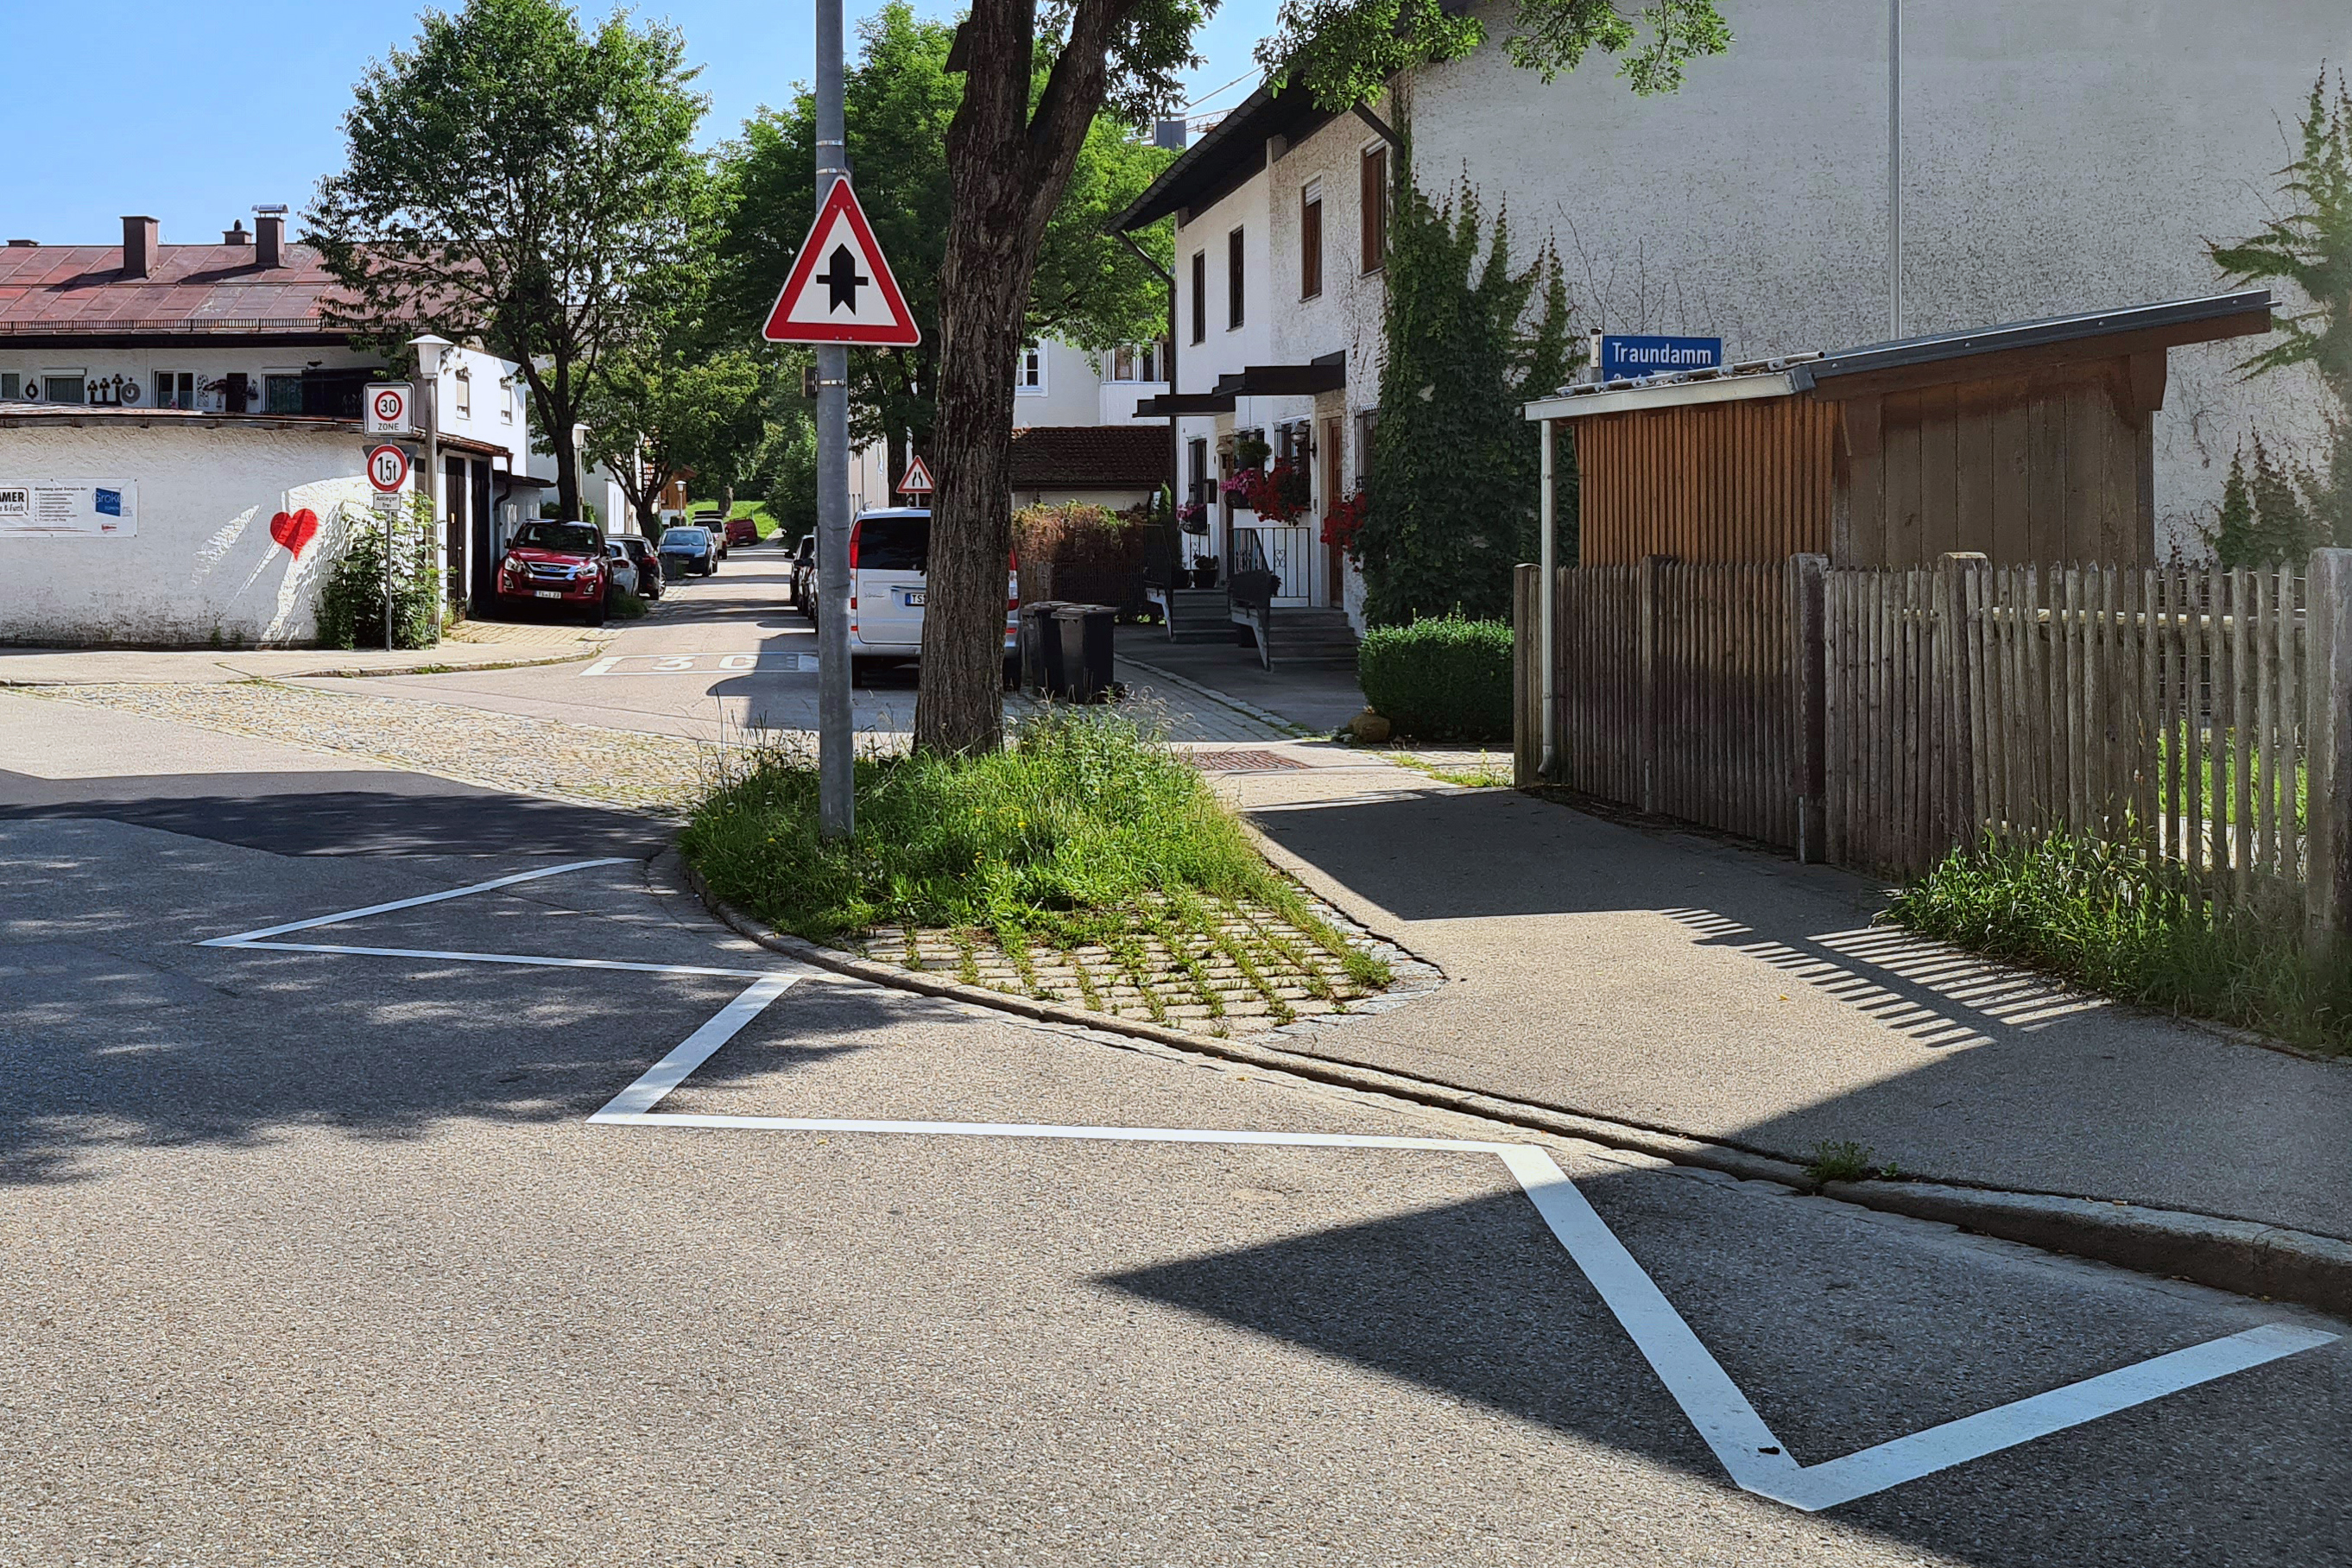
x: 889, y: 560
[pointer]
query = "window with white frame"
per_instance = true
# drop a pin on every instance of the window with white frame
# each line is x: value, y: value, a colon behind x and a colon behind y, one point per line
x: 1029, y: 378
x: 281, y: 391
x: 175, y: 388
x: 463, y: 401
x: 1138, y: 361
x: 61, y: 387
x: 12, y: 386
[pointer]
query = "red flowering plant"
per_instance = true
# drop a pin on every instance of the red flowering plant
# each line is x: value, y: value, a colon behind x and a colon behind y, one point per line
x: 1281, y: 494
x: 1343, y: 520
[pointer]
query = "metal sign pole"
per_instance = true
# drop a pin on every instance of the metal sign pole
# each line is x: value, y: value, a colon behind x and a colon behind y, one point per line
x: 1894, y: 168
x: 837, y: 809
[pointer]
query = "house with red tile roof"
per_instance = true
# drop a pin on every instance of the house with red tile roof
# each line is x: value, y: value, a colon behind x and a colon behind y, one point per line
x: 203, y: 388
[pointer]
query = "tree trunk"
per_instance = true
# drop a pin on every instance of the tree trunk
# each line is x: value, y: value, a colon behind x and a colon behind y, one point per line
x: 1008, y: 167
x: 894, y: 456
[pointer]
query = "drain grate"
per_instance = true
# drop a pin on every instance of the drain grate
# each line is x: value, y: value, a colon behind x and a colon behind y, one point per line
x: 1243, y: 762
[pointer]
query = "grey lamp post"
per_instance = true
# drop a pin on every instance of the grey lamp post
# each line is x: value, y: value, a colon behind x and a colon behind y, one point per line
x: 428, y: 376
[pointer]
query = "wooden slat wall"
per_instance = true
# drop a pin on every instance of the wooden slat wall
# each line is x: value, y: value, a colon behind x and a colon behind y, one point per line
x: 1715, y: 482
x: 2016, y: 470
x: 1700, y: 723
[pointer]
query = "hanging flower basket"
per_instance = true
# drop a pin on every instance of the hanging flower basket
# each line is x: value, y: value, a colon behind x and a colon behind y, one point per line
x: 1280, y: 495
x: 1344, y: 519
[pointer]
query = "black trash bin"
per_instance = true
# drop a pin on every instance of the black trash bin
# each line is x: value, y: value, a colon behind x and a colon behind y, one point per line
x: 1085, y: 649
x: 1042, y: 667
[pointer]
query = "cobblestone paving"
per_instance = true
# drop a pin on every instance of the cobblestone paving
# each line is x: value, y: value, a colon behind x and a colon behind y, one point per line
x: 1248, y: 972
x: 538, y: 756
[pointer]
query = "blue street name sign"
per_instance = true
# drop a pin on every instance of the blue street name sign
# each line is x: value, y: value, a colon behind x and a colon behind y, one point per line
x: 1629, y: 356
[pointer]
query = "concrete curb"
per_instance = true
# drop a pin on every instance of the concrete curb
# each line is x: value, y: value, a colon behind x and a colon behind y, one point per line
x: 423, y: 667
x: 2237, y: 1256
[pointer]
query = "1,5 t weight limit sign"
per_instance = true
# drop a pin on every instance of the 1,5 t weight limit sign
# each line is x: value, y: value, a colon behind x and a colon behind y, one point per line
x: 387, y: 468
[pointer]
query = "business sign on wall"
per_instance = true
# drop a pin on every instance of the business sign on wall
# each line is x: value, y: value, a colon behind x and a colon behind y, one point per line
x: 81, y: 509
x: 1630, y: 355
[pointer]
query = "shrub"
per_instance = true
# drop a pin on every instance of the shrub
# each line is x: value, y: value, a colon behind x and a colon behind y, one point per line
x: 1445, y: 679
x: 1074, y: 551
x: 351, y: 600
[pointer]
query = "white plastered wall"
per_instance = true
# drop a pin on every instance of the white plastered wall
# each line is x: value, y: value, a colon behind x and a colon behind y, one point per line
x: 2058, y: 158
x: 203, y: 568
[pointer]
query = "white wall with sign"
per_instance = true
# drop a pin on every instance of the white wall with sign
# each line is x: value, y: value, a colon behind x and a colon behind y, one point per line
x: 222, y: 536
x: 102, y: 509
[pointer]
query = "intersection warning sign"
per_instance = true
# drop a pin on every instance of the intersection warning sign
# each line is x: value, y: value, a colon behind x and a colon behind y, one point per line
x: 841, y: 291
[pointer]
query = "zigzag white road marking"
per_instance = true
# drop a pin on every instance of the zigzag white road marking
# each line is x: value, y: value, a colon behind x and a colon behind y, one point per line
x: 1756, y: 1461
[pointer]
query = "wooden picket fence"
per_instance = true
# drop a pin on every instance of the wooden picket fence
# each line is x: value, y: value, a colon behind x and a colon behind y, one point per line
x: 1880, y: 718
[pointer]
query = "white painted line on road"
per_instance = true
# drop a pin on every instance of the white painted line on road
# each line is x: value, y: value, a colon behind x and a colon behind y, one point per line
x: 1709, y: 1399
x: 1858, y: 1475
x: 246, y: 936
x: 696, y: 1049
x: 766, y: 662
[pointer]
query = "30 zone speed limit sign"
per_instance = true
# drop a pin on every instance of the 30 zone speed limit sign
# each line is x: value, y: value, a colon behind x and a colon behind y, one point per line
x: 387, y: 468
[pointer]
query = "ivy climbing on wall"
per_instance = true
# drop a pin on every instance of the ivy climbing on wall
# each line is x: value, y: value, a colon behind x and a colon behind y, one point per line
x: 1454, y: 501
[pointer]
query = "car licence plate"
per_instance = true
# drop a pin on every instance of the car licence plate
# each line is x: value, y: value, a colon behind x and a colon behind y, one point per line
x: 545, y: 594
x: 913, y: 601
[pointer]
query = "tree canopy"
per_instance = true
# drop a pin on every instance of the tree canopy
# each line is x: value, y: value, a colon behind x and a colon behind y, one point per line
x: 516, y: 179
x: 1346, y: 52
x: 901, y: 99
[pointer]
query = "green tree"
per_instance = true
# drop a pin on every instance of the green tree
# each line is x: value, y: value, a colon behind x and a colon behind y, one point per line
x: 668, y: 410
x: 1011, y: 147
x: 1346, y: 52
x: 1455, y: 467
x: 901, y: 98
x: 2310, y: 247
x: 516, y: 180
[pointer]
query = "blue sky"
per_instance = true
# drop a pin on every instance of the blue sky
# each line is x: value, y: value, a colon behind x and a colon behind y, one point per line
x: 194, y: 113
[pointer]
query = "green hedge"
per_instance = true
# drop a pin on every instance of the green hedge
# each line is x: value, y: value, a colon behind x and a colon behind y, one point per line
x: 1441, y: 680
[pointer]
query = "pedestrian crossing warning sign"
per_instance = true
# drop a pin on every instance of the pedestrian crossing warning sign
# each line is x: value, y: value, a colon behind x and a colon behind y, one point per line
x: 841, y: 291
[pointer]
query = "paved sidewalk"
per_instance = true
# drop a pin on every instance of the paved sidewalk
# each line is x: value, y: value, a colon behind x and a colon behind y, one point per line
x: 472, y: 645
x: 1686, y: 985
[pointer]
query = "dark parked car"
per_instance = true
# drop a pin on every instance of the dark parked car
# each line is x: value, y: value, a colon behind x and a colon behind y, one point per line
x: 557, y: 565
x: 689, y: 548
x: 649, y: 565
x: 805, y: 576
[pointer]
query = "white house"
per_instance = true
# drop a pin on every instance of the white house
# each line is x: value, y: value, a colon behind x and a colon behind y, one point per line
x: 2057, y: 159
x: 196, y: 391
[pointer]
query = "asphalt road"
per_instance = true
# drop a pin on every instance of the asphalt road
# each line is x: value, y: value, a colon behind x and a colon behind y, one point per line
x: 319, y: 1257
x: 723, y: 655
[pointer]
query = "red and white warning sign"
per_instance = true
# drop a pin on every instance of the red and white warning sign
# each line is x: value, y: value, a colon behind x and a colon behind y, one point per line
x: 918, y: 481
x: 841, y: 291
x: 387, y: 468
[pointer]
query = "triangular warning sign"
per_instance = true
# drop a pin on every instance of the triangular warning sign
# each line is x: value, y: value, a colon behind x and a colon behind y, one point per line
x: 841, y: 291
x: 918, y: 481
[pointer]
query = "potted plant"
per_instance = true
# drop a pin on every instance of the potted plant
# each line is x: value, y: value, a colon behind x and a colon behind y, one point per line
x: 1204, y: 570
x: 1192, y: 517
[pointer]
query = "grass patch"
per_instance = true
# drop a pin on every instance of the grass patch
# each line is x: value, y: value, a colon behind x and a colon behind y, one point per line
x: 627, y: 607
x: 2107, y: 917
x: 1844, y: 1160
x: 1087, y: 832
x: 761, y: 521
x: 1485, y: 774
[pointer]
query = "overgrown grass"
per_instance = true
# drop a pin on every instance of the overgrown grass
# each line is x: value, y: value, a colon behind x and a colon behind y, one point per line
x: 1087, y: 831
x: 2107, y: 917
x: 762, y: 521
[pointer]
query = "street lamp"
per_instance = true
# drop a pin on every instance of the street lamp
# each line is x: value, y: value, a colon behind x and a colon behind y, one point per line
x: 428, y: 376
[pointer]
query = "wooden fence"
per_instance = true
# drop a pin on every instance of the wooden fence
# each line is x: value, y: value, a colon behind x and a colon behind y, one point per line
x: 1880, y: 718
x: 1674, y: 691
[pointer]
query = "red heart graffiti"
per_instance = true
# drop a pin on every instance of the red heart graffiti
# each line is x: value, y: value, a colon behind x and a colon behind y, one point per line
x: 294, y: 531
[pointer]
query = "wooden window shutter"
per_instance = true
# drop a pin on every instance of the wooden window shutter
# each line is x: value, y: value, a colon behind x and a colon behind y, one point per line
x: 1374, y: 205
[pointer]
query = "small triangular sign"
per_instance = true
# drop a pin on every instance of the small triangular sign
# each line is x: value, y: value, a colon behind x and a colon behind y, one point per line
x: 918, y: 481
x: 841, y: 290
